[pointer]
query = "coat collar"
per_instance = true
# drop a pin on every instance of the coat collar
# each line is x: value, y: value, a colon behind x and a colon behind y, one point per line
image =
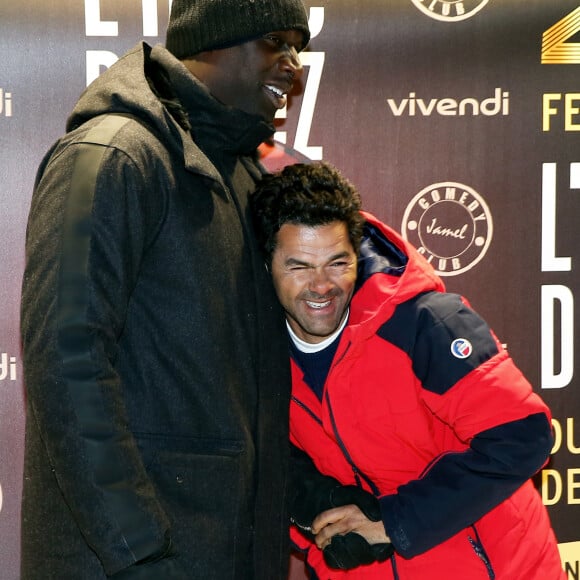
x: 213, y: 126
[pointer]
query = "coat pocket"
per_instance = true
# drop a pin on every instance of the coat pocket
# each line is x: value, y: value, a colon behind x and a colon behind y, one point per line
x: 205, y: 487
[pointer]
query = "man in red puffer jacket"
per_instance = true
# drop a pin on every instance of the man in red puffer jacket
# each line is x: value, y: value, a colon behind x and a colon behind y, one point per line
x: 414, y: 433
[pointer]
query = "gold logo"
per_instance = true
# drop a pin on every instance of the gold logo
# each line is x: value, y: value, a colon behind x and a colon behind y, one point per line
x: 555, y: 49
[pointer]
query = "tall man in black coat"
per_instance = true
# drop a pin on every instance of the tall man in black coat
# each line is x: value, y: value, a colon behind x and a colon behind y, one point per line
x: 155, y: 356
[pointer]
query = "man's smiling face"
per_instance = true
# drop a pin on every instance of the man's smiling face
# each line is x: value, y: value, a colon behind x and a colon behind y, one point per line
x: 257, y: 75
x: 314, y: 272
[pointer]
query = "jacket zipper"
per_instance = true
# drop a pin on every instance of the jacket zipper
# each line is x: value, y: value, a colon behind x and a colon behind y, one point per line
x: 480, y: 552
x: 312, y: 414
x: 358, y: 474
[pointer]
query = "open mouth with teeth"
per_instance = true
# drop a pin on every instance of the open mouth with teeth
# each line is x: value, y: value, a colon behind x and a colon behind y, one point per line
x: 318, y: 305
x: 277, y: 96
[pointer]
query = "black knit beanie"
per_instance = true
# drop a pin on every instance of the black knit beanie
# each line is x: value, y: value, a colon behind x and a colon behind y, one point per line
x: 199, y: 25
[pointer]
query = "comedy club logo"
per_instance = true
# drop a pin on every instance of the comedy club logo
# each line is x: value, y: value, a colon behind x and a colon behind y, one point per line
x: 450, y: 10
x: 451, y: 225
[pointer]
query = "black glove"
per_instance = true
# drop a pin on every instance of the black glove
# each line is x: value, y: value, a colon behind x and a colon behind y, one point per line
x: 352, y: 550
x: 309, y: 493
x: 310, y: 498
x: 351, y: 494
x: 316, y: 495
x: 312, y: 493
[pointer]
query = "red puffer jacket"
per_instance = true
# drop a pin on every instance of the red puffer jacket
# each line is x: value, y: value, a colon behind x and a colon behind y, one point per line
x: 423, y: 407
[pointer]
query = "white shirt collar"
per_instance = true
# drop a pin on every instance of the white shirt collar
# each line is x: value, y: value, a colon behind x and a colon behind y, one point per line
x: 308, y: 347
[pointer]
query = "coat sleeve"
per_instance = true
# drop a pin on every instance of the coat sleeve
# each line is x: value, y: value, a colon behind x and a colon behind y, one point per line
x: 470, y: 383
x: 87, y: 232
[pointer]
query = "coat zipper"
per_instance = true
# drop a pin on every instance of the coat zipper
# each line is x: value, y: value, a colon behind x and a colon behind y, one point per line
x: 358, y: 474
x: 312, y: 414
x: 480, y: 552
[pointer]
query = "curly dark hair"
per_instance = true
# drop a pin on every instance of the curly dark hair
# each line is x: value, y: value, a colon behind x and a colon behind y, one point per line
x: 310, y: 194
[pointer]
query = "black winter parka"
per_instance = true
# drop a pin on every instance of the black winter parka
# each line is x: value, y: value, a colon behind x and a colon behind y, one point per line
x: 155, y: 353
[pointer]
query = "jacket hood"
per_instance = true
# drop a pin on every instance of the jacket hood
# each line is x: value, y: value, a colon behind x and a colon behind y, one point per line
x: 151, y: 85
x: 124, y: 88
x: 390, y: 271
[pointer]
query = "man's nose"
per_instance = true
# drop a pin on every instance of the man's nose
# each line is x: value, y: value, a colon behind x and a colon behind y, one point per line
x: 320, y: 282
x: 290, y: 62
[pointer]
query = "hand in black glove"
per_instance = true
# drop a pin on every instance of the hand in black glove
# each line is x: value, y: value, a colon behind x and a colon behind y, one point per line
x: 351, y: 494
x: 314, y: 496
x: 352, y: 550
x: 312, y: 493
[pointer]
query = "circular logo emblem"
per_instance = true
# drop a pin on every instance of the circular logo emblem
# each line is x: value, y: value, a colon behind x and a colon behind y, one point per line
x: 461, y: 348
x: 450, y: 10
x: 451, y: 225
